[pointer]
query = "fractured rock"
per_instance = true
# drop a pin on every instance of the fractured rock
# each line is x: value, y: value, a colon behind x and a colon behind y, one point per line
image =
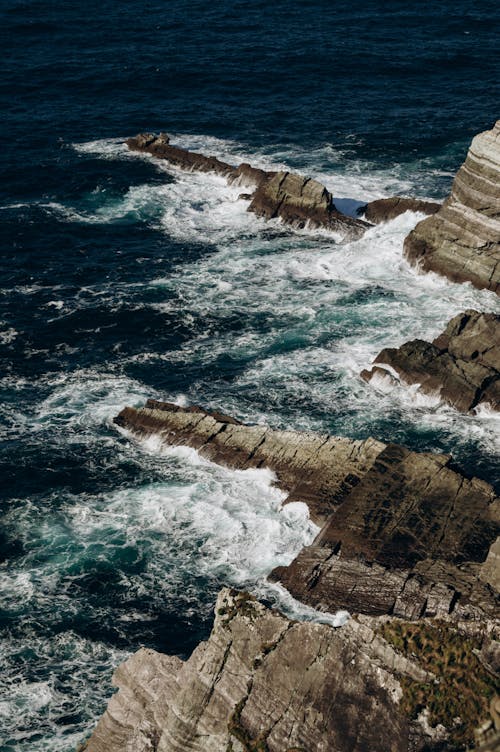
x: 462, y: 365
x: 400, y: 529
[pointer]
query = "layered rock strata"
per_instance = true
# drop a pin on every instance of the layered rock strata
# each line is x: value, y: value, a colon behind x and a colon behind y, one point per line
x: 264, y: 683
x: 462, y: 365
x: 402, y: 532
x: 462, y: 240
x: 385, y: 209
x: 297, y: 200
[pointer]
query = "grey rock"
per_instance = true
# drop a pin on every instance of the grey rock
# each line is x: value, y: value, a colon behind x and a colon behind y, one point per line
x: 462, y: 240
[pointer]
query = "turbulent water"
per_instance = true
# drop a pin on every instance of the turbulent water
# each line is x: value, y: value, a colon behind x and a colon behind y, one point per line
x: 122, y: 280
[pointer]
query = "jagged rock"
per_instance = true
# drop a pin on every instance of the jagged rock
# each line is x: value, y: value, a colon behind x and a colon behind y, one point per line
x: 462, y: 365
x: 301, y: 201
x: 297, y: 200
x: 385, y: 209
x: 263, y: 682
x: 462, y: 241
x: 399, y: 527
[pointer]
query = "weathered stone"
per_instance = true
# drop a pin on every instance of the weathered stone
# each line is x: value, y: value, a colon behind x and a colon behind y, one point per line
x: 462, y: 240
x: 385, y: 209
x: 301, y: 202
x: 262, y: 682
x: 398, y: 526
x: 462, y: 365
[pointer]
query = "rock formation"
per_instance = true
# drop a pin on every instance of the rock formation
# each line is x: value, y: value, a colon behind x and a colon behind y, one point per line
x: 297, y: 200
x: 462, y: 240
x: 402, y: 532
x: 462, y: 365
x: 385, y: 209
x: 263, y: 683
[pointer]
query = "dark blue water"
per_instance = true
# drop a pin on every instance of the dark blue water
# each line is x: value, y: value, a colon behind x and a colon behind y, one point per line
x: 120, y: 280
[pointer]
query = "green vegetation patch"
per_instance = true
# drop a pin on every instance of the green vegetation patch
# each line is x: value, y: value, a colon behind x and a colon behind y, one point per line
x: 459, y: 698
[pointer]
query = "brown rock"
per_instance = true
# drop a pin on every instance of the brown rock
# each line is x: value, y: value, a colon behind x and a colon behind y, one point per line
x: 302, y: 202
x: 400, y: 528
x: 297, y: 200
x: 462, y: 240
x: 462, y: 364
x: 385, y: 209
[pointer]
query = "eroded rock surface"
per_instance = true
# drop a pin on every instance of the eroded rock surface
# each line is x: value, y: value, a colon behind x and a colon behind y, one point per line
x: 462, y: 365
x: 385, y: 209
x: 402, y: 532
x: 462, y: 240
x: 264, y: 683
x: 297, y: 200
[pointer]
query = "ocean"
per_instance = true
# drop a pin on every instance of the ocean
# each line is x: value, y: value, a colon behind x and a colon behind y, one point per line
x: 121, y: 279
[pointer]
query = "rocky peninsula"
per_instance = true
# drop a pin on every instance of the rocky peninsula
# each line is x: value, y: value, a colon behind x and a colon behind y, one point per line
x: 461, y: 366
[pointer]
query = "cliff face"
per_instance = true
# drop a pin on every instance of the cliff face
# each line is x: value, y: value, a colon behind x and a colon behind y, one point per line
x: 263, y: 683
x: 462, y: 241
x: 402, y: 532
x: 462, y: 365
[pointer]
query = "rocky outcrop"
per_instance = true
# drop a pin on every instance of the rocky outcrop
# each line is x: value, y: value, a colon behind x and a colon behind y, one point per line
x: 402, y: 532
x: 302, y: 202
x: 462, y: 365
x: 462, y: 241
x: 298, y: 201
x: 263, y: 683
x: 385, y: 209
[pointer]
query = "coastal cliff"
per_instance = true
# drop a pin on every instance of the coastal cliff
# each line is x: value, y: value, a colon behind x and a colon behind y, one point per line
x: 263, y: 683
x: 461, y: 366
x: 462, y: 240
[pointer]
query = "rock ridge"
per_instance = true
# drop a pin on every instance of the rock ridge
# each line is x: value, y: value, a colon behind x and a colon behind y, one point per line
x: 297, y: 200
x: 401, y: 532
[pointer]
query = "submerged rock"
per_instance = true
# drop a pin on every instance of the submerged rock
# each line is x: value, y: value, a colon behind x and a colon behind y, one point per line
x: 297, y: 200
x: 462, y: 241
x: 263, y: 683
x: 385, y: 209
x: 402, y: 532
x: 462, y: 365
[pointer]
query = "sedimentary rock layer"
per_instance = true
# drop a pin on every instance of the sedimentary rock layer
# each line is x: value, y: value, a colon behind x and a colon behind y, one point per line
x: 462, y: 241
x: 462, y: 365
x: 401, y: 531
x: 263, y: 682
x: 384, y: 209
x: 297, y: 200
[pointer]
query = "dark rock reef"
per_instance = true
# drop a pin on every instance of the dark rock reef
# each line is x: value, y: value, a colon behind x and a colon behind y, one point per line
x: 385, y: 209
x: 462, y: 365
x: 462, y: 240
x: 297, y: 200
x: 263, y: 683
x: 402, y: 532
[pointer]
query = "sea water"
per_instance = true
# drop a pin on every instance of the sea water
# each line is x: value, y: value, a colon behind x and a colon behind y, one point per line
x: 122, y: 279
